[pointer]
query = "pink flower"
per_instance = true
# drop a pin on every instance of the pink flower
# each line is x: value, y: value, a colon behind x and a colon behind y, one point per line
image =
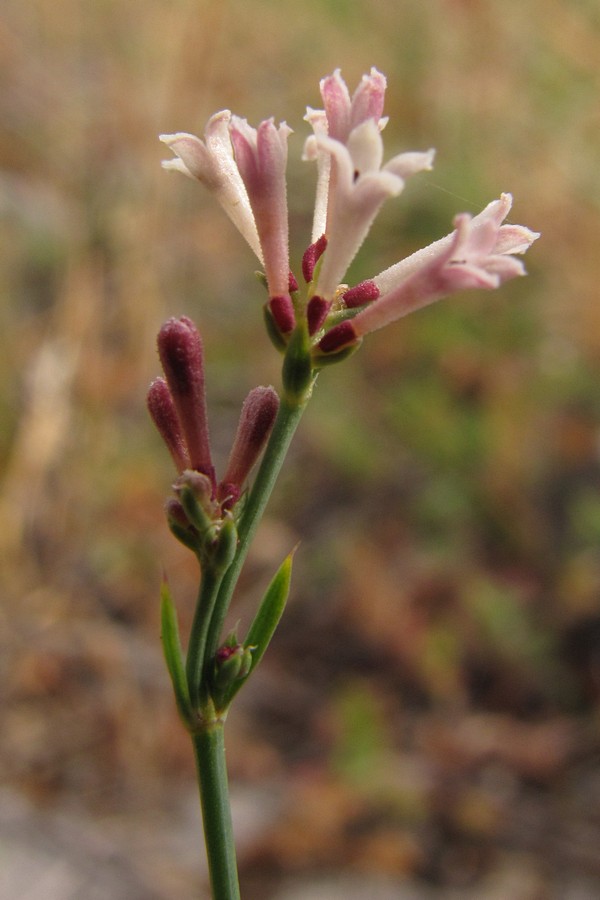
x: 261, y: 156
x: 341, y: 115
x: 245, y: 168
x: 361, y: 185
x: 352, y: 184
x: 344, y: 113
x: 477, y: 254
x: 211, y: 162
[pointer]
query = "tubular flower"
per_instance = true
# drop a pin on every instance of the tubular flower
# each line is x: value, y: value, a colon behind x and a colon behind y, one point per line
x: 261, y: 156
x: 318, y: 119
x: 352, y: 184
x: 355, y: 197
x: 245, y: 168
x: 341, y: 115
x: 477, y: 254
x: 211, y: 162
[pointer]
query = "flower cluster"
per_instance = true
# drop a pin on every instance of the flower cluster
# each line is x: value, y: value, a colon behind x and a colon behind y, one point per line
x: 177, y: 404
x: 244, y: 168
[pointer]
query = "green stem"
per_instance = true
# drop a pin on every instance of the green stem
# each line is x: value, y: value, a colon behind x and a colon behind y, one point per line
x: 209, y: 749
x: 213, y: 603
x: 196, y: 654
x: 287, y: 421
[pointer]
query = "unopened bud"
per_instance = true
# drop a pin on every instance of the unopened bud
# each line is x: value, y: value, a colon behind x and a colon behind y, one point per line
x: 182, y: 358
x: 194, y: 491
x: 360, y: 294
x: 232, y: 663
x: 311, y: 257
x: 292, y: 283
x: 224, y: 546
x: 282, y: 310
x: 256, y: 421
x: 228, y: 494
x: 316, y: 313
x: 340, y: 337
x: 180, y: 526
x: 164, y: 416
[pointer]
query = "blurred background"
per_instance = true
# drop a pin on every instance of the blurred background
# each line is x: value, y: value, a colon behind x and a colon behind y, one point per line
x: 427, y: 721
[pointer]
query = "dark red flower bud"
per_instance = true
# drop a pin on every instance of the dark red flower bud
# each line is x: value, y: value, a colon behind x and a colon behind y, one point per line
x: 312, y: 256
x: 282, y: 310
x: 164, y: 416
x: 180, y: 525
x: 292, y: 283
x: 223, y: 653
x: 194, y: 491
x: 360, y: 294
x: 316, y: 313
x: 256, y: 421
x: 228, y: 494
x: 340, y: 336
x: 182, y: 358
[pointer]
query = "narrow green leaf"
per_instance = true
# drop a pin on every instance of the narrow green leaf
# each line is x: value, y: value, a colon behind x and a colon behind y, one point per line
x: 265, y: 622
x: 270, y: 611
x: 173, y: 653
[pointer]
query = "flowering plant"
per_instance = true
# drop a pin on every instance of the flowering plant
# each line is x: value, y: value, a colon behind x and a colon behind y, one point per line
x: 245, y: 169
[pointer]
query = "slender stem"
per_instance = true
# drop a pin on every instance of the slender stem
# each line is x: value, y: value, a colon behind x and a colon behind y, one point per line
x: 209, y: 749
x: 284, y: 428
x: 213, y: 603
x: 196, y: 654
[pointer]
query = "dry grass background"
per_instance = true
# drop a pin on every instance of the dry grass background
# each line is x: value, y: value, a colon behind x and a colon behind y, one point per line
x: 428, y: 717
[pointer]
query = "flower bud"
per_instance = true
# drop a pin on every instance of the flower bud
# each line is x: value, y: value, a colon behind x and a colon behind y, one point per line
x: 232, y: 663
x: 316, y: 312
x: 224, y: 546
x: 256, y: 421
x: 181, y: 355
x: 228, y: 494
x: 311, y: 257
x: 292, y: 283
x: 360, y: 294
x: 340, y: 337
x: 180, y: 526
x: 282, y: 310
x: 164, y: 416
x: 195, y: 495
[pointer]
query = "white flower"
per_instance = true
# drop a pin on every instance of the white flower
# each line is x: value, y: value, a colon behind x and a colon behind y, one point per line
x: 344, y: 113
x: 357, y: 193
x: 261, y: 157
x: 477, y: 254
x: 245, y: 168
x: 211, y: 162
x: 341, y: 115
